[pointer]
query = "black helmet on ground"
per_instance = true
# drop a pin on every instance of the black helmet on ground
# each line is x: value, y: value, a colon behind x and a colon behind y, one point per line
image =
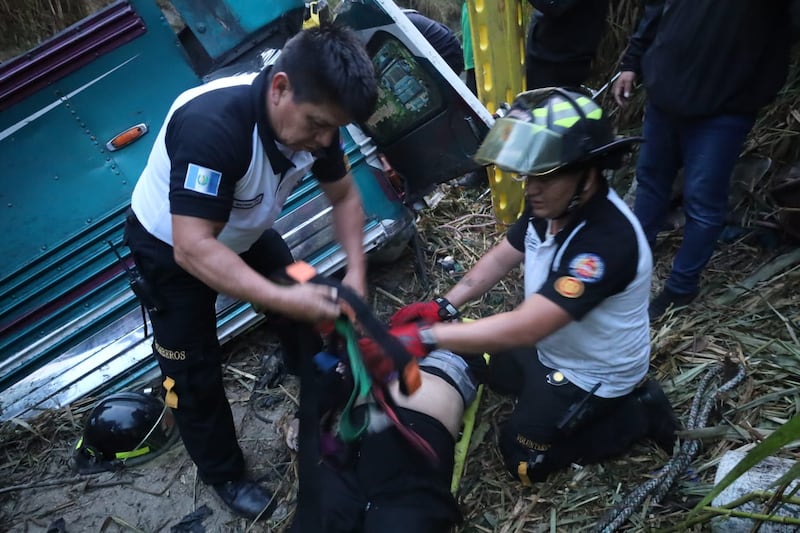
x: 123, y: 429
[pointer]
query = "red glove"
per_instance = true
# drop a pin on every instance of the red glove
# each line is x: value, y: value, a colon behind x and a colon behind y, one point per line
x: 431, y: 312
x: 380, y: 365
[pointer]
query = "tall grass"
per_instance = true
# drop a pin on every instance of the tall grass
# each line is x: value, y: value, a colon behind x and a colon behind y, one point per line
x: 27, y: 23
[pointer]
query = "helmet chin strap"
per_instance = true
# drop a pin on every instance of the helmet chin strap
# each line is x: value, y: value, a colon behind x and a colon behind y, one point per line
x: 575, y: 201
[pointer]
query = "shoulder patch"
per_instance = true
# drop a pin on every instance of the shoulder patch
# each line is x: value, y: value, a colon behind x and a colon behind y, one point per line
x: 203, y: 180
x: 587, y: 267
x: 568, y: 287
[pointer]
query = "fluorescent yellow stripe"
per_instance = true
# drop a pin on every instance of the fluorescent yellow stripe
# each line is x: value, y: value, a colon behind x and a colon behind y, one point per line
x: 562, y: 106
x: 597, y: 114
x: 135, y: 453
x: 566, y: 122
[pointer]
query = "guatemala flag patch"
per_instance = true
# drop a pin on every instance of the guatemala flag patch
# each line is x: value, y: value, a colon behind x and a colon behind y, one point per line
x: 202, y: 180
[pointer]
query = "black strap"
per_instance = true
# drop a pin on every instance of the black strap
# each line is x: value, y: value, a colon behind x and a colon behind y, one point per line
x: 372, y: 326
x: 307, y: 516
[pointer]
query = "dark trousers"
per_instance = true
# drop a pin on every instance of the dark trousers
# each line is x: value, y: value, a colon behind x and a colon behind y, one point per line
x: 602, y: 428
x: 540, y: 74
x: 188, y: 351
x: 391, y: 487
x: 707, y: 149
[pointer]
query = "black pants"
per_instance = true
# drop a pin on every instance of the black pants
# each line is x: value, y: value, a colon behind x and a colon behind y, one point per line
x: 547, y: 74
x: 188, y: 351
x: 603, y: 428
x: 391, y: 487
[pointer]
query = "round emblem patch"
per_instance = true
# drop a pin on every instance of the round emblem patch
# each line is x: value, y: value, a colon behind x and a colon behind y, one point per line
x: 568, y: 287
x: 587, y: 267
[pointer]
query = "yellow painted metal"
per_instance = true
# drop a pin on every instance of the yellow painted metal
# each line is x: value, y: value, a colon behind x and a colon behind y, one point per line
x: 497, y: 28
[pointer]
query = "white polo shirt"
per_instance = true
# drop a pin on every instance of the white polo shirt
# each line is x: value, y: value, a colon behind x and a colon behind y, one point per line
x: 216, y: 157
x: 598, y: 269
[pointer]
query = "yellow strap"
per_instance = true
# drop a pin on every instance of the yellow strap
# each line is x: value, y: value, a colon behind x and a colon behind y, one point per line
x: 171, y: 397
x: 468, y: 423
x: 462, y: 446
x: 522, y: 472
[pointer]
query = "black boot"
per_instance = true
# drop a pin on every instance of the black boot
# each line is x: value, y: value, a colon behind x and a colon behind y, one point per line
x: 245, y: 498
x: 661, y: 420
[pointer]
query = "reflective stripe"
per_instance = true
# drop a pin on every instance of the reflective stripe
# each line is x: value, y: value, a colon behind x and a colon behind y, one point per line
x: 597, y: 114
x: 135, y: 453
x: 566, y: 122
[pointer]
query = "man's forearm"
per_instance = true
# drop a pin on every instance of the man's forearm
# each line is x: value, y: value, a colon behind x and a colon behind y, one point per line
x: 486, y: 273
x: 348, y: 221
x: 223, y: 270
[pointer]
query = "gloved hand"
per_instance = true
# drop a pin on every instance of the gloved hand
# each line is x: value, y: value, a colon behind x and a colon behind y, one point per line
x: 380, y: 366
x: 436, y: 310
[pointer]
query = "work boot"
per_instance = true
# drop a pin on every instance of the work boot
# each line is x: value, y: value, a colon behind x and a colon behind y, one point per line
x: 661, y: 420
x: 667, y: 299
x: 245, y: 498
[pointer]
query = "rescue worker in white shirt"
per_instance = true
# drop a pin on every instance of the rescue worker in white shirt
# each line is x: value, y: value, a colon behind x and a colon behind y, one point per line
x: 227, y: 157
x: 576, y: 351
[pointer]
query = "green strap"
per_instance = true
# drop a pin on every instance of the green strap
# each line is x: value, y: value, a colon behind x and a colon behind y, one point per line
x: 350, y: 430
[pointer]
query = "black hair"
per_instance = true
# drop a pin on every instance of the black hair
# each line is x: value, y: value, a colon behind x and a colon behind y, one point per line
x: 329, y: 65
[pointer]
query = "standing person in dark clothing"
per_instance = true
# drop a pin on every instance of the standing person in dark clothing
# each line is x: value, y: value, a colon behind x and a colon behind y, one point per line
x: 227, y: 157
x: 440, y: 37
x: 707, y: 72
x: 562, y: 41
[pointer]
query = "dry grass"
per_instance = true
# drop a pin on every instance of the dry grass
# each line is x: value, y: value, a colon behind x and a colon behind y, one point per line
x: 748, y: 311
x: 749, y: 320
x: 27, y: 23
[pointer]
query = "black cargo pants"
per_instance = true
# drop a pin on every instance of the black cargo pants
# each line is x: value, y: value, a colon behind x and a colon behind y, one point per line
x: 188, y: 351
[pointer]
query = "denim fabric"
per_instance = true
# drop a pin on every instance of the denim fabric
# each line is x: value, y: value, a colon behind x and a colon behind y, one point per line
x: 707, y: 149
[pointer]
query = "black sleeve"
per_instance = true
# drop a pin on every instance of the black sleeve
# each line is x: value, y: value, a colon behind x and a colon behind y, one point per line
x: 330, y: 163
x: 644, y: 35
x: 208, y: 155
x: 594, y: 266
x: 516, y: 233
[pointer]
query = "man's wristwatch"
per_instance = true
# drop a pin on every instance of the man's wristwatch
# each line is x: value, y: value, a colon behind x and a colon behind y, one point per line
x: 447, y: 311
x: 427, y: 338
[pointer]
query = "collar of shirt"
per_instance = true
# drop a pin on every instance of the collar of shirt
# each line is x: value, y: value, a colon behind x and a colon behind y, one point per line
x: 279, y: 162
x: 579, y: 215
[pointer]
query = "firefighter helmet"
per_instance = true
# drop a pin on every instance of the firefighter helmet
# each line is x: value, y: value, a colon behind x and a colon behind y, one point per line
x: 123, y: 429
x: 552, y: 128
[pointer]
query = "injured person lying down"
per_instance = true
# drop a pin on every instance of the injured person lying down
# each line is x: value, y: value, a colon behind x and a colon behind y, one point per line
x: 387, y: 463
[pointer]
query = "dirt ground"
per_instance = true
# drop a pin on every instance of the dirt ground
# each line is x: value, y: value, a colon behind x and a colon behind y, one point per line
x: 157, y: 495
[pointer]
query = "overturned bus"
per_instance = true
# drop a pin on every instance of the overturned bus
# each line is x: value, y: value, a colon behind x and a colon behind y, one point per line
x: 78, y: 115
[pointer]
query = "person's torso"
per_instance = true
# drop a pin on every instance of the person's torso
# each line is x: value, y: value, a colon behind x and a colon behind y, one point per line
x: 573, y: 36
x: 609, y: 340
x: 259, y: 192
x: 708, y: 59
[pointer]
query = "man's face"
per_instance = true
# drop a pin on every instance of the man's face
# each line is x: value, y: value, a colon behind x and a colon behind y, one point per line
x: 548, y: 196
x: 302, y: 126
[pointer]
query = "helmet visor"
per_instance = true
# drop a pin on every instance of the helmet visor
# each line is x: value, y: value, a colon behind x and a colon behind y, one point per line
x: 521, y: 147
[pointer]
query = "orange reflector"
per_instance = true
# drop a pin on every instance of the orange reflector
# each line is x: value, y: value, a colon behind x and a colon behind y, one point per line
x: 126, y: 137
x: 300, y: 271
x: 411, y: 377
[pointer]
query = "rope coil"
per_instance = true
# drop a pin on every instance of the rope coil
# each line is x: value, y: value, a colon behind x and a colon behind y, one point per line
x: 702, y: 404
